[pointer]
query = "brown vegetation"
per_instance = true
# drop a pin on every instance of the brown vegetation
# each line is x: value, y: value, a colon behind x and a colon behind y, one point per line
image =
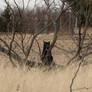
x: 27, y: 30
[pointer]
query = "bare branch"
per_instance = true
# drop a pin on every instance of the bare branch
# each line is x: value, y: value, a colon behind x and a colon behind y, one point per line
x: 18, y: 8
x: 38, y: 47
x: 83, y: 88
x: 75, y: 75
x: 28, y: 3
x: 23, y: 4
x: 50, y: 24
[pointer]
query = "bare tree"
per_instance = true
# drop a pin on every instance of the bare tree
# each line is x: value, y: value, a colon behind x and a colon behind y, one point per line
x: 20, y: 20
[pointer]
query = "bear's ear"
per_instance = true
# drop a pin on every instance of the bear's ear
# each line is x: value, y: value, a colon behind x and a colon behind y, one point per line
x: 48, y: 42
x: 44, y: 43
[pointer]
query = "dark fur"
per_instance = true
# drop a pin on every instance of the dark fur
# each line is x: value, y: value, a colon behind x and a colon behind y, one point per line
x: 47, y: 58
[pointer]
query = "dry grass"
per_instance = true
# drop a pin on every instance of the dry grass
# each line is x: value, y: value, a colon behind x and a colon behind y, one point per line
x: 60, y: 57
x: 39, y: 80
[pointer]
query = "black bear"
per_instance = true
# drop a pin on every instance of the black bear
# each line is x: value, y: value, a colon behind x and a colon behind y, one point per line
x: 46, y: 56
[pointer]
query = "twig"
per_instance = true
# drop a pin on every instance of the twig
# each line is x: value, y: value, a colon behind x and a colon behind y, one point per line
x: 75, y: 75
x: 84, y: 88
x: 51, y: 23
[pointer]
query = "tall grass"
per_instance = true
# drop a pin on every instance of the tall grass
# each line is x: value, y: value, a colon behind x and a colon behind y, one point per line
x: 39, y: 80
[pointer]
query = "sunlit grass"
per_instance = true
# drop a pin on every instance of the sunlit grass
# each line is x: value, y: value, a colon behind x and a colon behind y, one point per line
x: 39, y: 80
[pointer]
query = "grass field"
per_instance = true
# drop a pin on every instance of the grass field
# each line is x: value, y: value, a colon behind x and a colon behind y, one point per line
x: 40, y: 80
